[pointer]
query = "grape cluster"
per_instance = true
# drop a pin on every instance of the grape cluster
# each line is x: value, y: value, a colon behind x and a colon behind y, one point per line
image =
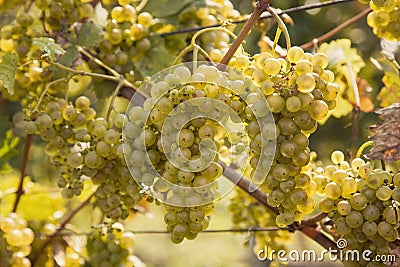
x: 300, y: 92
x: 125, y: 40
x: 362, y: 202
x: 187, y: 222
x: 177, y: 137
x: 385, y: 19
x: 61, y: 14
x: 15, y: 241
x: 111, y: 246
x: 80, y: 147
x: 216, y: 43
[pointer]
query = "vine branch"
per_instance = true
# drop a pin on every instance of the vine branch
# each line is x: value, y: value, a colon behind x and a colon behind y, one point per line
x: 24, y: 167
x: 286, y: 11
x: 335, y: 30
x: 61, y: 227
x: 307, y: 226
x: 261, y: 6
x: 233, y: 230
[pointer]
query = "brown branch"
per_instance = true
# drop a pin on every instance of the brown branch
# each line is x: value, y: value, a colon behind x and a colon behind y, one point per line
x: 261, y: 6
x: 312, y: 221
x: 61, y: 227
x: 245, y: 185
x: 307, y: 226
x: 24, y: 167
x: 336, y: 30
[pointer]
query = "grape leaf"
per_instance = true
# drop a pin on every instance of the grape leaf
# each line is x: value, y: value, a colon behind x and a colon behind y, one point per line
x: 104, y: 89
x: 8, y: 148
x: 166, y: 8
x: 8, y: 68
x: 89, y: 35
x: 364, y: 90
x: 340, y: 52
x: 49, y: 46
x: 346, y: 63
x: 387, y: 135
x: 71, y: 55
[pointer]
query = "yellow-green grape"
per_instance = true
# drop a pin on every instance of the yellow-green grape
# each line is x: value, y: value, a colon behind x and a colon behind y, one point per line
x: 16, y: 239
x: 333, y: 190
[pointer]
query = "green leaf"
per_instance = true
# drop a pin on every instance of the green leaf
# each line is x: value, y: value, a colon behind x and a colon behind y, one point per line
x: 158, y: 58
x: 104, y: 89
x: 8, y: 68
x: 8, y: 148
x: 70, y: 56
x: 89, y: 35
x: 169, y: 9
x: 49, y: 46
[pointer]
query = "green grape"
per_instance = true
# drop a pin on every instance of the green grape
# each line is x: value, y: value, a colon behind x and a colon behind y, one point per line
x: 293, y: 104
x: 327, y: 205
x: 342, y: 228
x: 358, y: 201
x: 344, y: 207
x: 305, y: 83
x: 384, y: 193
x: 396, y: 194
x: 349, y: 186
x: 271, y: 66
x: 284, y: 219
x: 337, y: 157
x: 333, y: 190
x: 374, y: 180
x: 369, y: 228
x: 354, y: 219
x: 295, y: 54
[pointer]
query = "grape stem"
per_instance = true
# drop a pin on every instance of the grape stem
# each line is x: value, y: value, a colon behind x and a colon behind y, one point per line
x: 261, y: 6
x: 142, y: 4
x: 24, y: 167
x: 364, y: 146
x: 356, y: 109
x: 44, y: 93
x: 111, y: 106
x: 335, y: 30
x: 116, y: 78
x: 61, y: 227
x: 233, y: 230
x: 193, y: 46
x: 282, y: 27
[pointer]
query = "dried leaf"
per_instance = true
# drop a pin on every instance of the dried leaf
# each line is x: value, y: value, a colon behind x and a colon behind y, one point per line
x: 364, y: 92
x: 387, y: 135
